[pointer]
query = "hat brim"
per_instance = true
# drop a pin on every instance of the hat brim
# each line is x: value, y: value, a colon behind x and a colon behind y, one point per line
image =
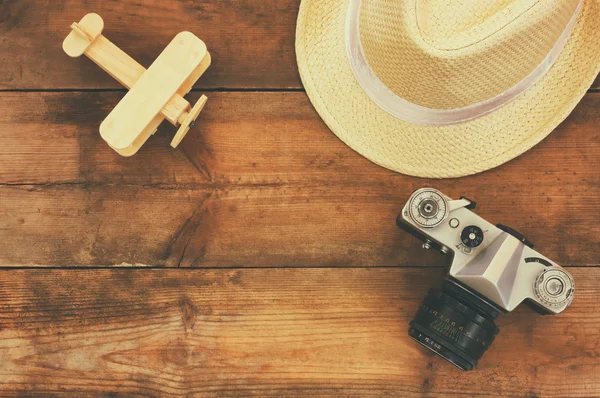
x: 438, y: 151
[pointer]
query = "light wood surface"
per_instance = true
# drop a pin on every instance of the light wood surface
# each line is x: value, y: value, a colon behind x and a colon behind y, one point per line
x: 128, y: 71
x: 83, y: 34
x: 300, y: 282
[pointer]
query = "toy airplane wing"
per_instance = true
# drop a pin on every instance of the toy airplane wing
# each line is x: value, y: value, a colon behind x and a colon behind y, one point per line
x: 138, y: 114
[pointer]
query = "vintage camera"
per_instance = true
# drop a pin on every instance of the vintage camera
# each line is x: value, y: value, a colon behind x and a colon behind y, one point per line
x: 493, y: 269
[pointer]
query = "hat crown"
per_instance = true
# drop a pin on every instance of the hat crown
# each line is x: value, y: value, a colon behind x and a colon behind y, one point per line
x: 449, y: 25
x: 448, y: 54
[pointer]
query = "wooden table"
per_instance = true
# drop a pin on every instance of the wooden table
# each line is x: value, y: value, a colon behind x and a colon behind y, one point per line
x: 260, y: 258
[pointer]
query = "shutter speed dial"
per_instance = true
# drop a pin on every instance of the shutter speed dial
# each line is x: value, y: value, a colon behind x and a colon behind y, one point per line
x: 471, y: 236
x: 554, y: 287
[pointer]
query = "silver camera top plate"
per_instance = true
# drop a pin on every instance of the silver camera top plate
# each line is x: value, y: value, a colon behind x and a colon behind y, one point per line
x: 500, y: 265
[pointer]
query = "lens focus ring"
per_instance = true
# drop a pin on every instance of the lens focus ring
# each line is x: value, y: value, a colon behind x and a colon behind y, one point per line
x: 453, y: 330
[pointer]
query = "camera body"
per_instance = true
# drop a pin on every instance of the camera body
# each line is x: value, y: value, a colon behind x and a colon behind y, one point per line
x: 493, y: 269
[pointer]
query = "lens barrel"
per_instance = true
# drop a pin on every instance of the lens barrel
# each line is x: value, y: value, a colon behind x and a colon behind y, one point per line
x: 456, y: 324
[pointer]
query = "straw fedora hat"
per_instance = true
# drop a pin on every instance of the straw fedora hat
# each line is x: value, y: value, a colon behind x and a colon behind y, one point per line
x: 446, y: 88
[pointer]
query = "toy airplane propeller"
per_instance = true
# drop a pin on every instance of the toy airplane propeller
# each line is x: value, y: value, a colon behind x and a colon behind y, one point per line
x: 154, y: 94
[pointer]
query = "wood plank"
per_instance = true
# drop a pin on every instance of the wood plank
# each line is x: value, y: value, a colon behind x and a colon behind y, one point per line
x: 282, y: 332
x: 283, y: 189
x: 51, y: 138
x: 99, y: 225
x: 251, y: 138
x: 355, y: 226
x: 82, y: 225
x: 31, y: 34
x: 278, y: 138
x: 253, y: 226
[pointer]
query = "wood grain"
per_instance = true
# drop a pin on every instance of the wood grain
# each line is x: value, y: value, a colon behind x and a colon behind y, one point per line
x: 51, y: 138
x: 83, y: 225
x: 251, y: 42
x: 283, y: 190
x: 278, y: 332
x: 262, y: 187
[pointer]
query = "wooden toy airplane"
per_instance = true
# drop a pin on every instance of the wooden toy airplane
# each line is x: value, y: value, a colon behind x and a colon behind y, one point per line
x: 154, y: 94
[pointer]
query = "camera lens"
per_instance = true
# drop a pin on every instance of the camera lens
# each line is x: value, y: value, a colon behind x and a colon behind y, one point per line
x: 455, y: 324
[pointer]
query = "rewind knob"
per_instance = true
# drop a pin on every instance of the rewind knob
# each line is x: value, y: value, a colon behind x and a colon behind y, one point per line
x: 471, y: 236
x: 428, y: 208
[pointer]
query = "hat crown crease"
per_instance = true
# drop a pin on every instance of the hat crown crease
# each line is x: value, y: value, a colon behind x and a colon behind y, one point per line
x: 447, y: 55
x: 448, y: 25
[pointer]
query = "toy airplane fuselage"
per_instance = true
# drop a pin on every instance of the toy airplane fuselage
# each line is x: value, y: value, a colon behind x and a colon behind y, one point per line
x: 154, y: 95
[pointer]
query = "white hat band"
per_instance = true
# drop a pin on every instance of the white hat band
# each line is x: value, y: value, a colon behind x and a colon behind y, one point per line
x: 410, y: 112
